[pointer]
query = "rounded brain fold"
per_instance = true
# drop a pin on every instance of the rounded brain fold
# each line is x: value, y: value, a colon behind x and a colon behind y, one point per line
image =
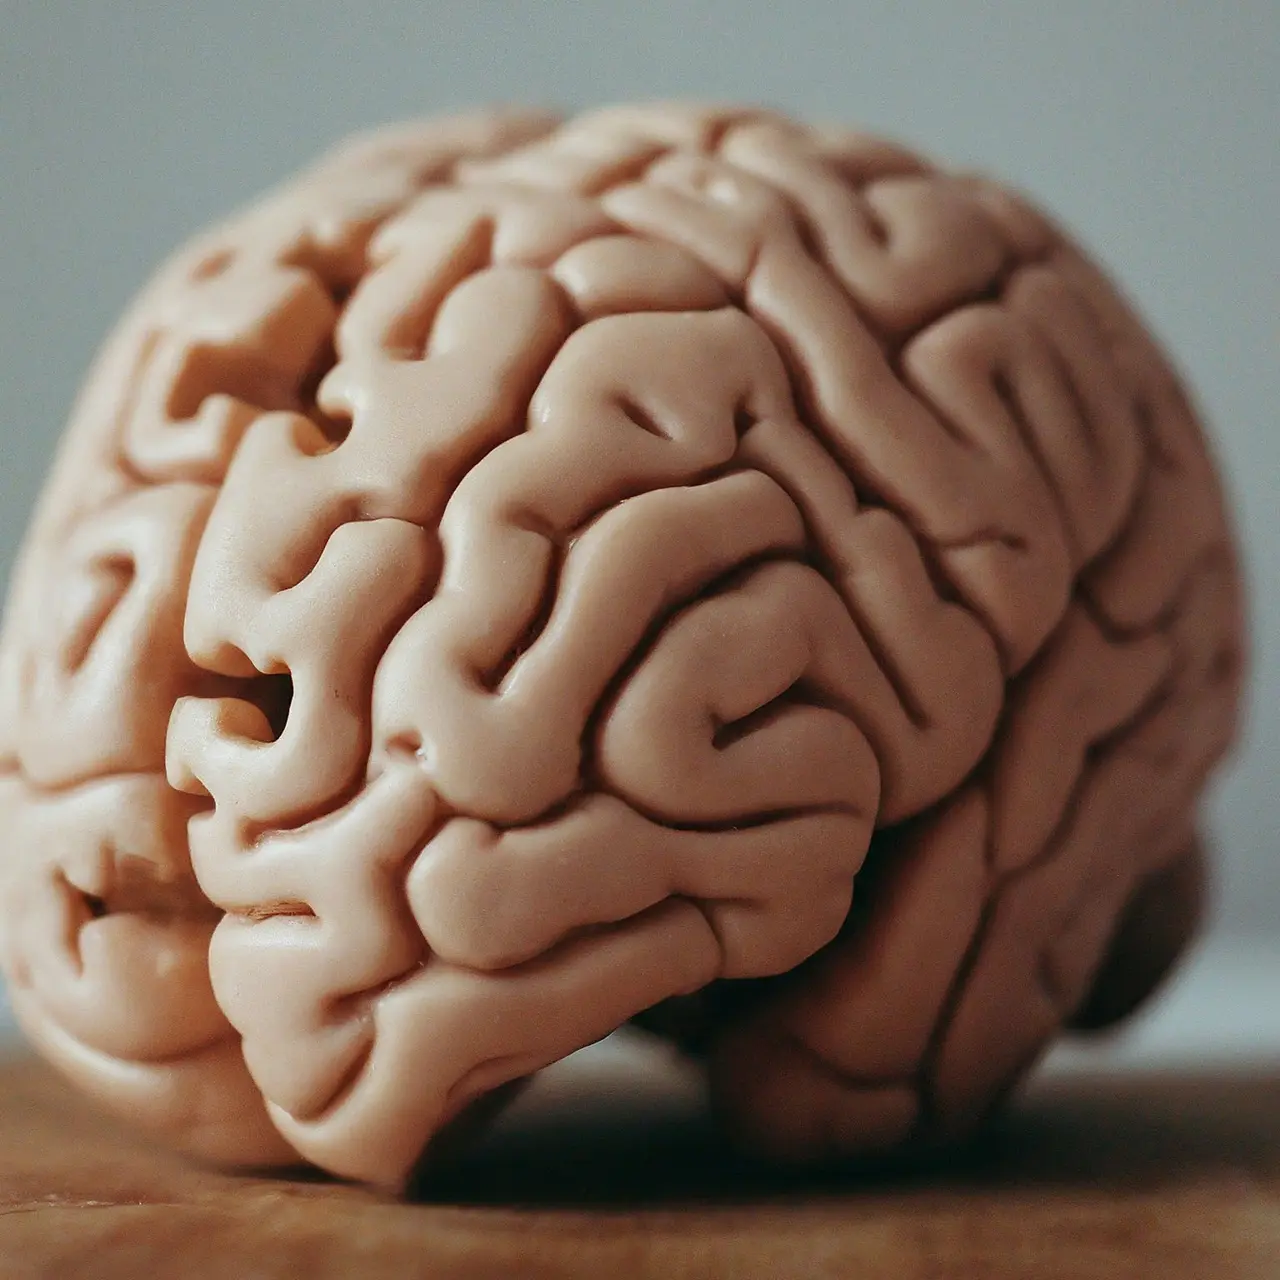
x: 675, y: 565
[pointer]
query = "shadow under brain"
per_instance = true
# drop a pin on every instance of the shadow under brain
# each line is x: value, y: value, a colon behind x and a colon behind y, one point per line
x: 623, y: 1124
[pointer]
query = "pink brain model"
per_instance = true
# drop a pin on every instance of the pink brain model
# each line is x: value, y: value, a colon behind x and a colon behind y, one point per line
x: 505, y: 584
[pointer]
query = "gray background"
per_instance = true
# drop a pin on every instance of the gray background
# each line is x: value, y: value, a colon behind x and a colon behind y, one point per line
x: 1151, y: 128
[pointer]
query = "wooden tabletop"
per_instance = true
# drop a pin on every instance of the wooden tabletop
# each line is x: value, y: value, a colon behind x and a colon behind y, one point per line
x: 607, y: 1174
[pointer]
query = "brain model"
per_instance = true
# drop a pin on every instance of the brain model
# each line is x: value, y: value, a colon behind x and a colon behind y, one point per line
x: 674, y: 565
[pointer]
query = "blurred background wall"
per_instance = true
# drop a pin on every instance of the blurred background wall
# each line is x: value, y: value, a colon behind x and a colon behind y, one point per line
x: 1152, y: 127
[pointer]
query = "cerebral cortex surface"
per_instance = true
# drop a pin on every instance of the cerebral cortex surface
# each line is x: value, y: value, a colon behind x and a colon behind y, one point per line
x: 676, y: 564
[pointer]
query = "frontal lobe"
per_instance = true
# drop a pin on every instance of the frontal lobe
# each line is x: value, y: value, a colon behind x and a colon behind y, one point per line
x: 598, y: 537
x: 103, y: 929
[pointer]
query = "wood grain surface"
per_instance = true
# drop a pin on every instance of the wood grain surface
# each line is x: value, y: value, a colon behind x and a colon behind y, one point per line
x: 606, y: 1172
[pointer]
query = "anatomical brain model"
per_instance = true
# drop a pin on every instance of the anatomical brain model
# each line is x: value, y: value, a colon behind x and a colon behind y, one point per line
x: 676, y: 565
